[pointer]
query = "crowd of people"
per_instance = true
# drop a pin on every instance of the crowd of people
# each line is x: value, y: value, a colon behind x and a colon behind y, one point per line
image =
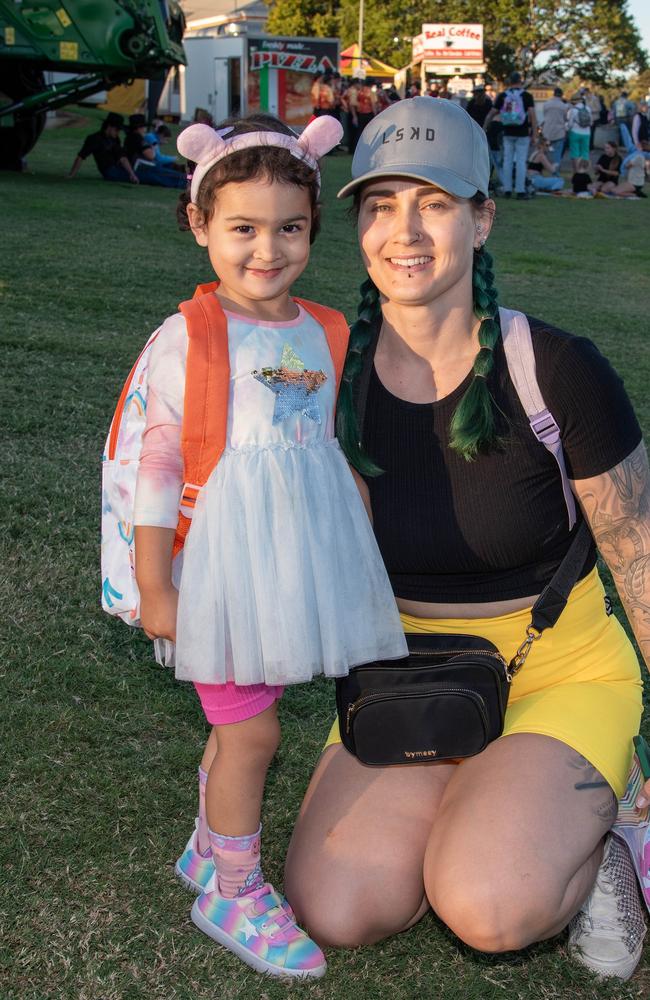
x: 533, y: 151
x: 526, y: 154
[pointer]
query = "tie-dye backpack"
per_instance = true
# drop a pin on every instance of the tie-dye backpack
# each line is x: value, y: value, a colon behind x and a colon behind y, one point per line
x: 203, y: 436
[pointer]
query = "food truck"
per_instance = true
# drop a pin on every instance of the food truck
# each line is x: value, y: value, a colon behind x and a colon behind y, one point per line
x: 451, y: 54
x: 237, y: 74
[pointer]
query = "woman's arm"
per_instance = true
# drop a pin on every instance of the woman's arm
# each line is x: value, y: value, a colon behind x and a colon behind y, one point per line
x: 617, y: 507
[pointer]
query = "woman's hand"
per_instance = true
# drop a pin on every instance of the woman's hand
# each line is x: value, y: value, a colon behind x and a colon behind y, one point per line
x: 643, y: 798
x: 158, y: 610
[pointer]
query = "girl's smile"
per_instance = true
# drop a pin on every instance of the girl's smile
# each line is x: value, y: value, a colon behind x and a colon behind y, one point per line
x: 258, y: 242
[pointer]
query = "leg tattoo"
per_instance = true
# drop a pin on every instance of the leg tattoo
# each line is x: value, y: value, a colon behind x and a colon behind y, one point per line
x: 590, y: 779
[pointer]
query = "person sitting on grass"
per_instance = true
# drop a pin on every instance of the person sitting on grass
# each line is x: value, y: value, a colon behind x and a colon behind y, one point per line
x: 142, y: 157
x: 581, y: 180
x: 107, y: 151
x: 607, y: 170
x: 156, y: 139
x: 511, y: 845
x: 538, y: 162
x: 631, y: 183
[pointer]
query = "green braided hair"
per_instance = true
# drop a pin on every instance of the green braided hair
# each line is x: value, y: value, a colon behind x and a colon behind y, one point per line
x: 473, y: 426
x: 347, y: 425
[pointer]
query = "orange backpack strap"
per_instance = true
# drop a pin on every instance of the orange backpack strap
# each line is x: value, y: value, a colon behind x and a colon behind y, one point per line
x: 205, y: 410
x: 210, y: 286
x: 336, y: 331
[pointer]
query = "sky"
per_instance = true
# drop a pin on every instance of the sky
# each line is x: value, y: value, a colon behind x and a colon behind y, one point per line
x: 640, y: 11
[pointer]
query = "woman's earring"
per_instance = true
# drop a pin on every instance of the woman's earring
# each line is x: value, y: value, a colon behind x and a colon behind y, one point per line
x: 481, y: 238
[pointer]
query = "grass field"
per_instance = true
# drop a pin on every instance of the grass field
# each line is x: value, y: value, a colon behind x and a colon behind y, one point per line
x: 101, y: 744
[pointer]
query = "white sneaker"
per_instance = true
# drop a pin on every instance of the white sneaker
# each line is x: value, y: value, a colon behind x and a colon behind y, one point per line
x: 607, y: 934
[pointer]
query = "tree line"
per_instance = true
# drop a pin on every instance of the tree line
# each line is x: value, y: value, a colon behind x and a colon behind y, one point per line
x: 596, y: 40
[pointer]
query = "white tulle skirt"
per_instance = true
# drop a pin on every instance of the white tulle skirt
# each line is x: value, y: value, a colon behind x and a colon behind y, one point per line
x: 282, y: 578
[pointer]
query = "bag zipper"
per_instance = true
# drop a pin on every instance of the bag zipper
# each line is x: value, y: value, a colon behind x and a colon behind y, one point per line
x: 458, y: 652
x: 371, y: 696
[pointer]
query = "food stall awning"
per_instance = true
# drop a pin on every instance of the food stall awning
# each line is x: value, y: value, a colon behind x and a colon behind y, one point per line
x: 350, y: 64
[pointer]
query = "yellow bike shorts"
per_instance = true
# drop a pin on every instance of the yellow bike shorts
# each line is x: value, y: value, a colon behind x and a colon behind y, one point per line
x: 581, y: 683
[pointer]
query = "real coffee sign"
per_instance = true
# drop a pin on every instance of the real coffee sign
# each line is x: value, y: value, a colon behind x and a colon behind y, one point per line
x: 449, y: 43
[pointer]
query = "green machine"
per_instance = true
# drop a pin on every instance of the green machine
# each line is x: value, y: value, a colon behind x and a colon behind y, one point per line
x: 101, y: 43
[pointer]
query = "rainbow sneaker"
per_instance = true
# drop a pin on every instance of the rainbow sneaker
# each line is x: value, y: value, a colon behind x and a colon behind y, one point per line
x: 194, y: 869
x: 261, y: 929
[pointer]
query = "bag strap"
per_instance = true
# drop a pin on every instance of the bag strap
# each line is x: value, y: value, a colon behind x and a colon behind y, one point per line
x: 205, y: 409
x: 334, y: 323
x: 520, y: 356
x: 207, y: 377
x: 553, y: 599
x: 336, y: 330
x: 114, y: 430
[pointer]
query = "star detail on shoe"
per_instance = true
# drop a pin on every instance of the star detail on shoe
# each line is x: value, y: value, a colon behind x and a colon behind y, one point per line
x: 294, y: 386
x: 248, y: 929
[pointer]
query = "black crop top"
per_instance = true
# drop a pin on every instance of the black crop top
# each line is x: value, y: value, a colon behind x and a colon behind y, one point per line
x: 452, y: 531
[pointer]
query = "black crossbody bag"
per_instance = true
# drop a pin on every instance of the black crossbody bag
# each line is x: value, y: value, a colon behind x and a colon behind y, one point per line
x: 447, y: 699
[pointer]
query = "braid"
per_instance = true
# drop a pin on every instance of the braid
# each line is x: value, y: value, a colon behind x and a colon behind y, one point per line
x: 473, y: 423
x: 347, y: 426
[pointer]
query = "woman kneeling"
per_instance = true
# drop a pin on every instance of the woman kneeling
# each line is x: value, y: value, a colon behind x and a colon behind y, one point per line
x: 510, y: 845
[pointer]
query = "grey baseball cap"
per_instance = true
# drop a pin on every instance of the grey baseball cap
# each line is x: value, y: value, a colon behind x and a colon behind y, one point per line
x: 427, y: 139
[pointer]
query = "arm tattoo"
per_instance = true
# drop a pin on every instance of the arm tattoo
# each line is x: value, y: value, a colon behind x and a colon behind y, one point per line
x: 617, y: 506
x: 605, y: 806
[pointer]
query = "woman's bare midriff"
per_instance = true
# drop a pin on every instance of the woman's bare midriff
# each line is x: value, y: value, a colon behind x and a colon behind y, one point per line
x: 489, y: 609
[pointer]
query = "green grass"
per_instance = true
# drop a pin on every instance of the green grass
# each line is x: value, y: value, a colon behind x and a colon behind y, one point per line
x: 100, y: 745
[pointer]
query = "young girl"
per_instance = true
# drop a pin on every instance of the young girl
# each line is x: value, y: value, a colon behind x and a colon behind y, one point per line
x: 281, y: 576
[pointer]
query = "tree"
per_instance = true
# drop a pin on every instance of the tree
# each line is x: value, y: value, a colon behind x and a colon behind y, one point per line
x: 595, y: 39
x: 317, y: 18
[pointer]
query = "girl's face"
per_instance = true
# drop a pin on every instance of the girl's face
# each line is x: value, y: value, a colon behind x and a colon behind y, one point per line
x: 610, y: 149
x: 417, y: 241
x: 257, y: 240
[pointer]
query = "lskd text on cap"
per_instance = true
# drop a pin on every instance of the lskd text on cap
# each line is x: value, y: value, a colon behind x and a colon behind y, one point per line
x: 398, y: 135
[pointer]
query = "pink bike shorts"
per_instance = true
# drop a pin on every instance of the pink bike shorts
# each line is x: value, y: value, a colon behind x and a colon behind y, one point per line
x: 224, y: 704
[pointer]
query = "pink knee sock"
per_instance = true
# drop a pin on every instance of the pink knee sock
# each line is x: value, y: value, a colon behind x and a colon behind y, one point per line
x: 237, y: 861
x: 203, y: 835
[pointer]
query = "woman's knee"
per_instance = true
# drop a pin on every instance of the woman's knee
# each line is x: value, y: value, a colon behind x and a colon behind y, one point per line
x: 344, y: 902
x: 494, y: 917
x: 349, y: 914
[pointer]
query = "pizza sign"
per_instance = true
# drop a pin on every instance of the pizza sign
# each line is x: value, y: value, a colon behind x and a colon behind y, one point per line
x: 289, y: 60
x: 302, y: 55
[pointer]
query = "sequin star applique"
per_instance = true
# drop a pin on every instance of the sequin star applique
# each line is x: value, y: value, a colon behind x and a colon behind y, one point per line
x: 294, y: 386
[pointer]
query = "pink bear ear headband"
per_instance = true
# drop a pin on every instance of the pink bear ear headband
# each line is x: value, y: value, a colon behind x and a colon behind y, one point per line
x: 205, y: 146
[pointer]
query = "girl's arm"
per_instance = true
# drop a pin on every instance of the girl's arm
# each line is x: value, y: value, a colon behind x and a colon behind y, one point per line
x: 160, y: 481
x: 153, y: 572
x: 617, y: 507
